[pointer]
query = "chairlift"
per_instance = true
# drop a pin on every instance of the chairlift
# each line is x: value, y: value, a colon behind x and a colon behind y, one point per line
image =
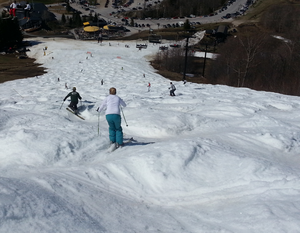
x: 163, y: 48
x: 175, y: 45
x: 141, y: 45
x: 156, y: 39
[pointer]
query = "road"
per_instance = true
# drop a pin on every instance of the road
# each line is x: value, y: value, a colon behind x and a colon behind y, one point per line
x: 105, y: 13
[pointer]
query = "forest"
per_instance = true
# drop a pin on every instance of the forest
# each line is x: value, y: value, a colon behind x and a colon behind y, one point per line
x: 263, y: 56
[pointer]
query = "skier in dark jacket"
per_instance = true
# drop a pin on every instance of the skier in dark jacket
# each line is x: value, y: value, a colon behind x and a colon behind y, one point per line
x: 74, y: 99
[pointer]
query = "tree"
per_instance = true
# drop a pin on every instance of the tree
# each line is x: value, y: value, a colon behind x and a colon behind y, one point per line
x: 10, y: 33
x: 250, y: 47
x: 186, y: 25
x: 63, y: 19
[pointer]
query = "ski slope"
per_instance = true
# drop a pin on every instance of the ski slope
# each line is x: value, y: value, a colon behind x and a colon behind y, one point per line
x: 211, y: 159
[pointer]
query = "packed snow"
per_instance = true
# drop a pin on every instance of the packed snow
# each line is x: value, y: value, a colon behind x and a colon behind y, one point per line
x: 211, y: 159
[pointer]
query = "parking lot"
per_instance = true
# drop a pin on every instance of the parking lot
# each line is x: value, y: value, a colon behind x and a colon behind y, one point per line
x: 111, y: 12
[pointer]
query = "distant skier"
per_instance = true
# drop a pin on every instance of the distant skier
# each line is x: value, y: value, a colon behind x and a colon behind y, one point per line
x: 74, y: 100
x: 13, y: 8
x: 172, y: 89
x: 112, y: 104
x: 149, y: 86
x: 100, y: 38
x: 27, y: 10
x: 102, y: 82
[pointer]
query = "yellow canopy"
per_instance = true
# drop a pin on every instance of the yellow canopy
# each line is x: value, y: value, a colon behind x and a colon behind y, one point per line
x: 113, y: 28
x: 86, y: 23
x: 106, y: 27
x: 91, y: 29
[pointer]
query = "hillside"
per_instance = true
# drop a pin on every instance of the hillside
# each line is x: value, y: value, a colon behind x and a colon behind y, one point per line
x: 27, y: 68
x: 211, y: 159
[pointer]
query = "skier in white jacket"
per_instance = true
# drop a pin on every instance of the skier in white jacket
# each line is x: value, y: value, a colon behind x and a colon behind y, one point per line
x: 172, y: 89
x: 112, y: 104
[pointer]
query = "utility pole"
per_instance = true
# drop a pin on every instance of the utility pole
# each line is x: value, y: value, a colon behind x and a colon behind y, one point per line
x: 188, y: 35
x: 185, y: 58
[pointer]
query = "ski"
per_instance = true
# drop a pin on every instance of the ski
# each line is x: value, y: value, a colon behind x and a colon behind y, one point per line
x: 75, y: 113
x: 113, y: 147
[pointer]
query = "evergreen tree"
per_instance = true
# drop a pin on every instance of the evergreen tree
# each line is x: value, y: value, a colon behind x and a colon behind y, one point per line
x: 10, y: 33
x: 63, y: 19
x: 77, y: 20
x: 68, y: 8
x: 187, y: 25
x: 71, y: 22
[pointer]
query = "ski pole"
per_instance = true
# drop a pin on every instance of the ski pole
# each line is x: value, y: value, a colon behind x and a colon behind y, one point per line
x: 98, y: 121
x: 124, y: 117
x: 61, y: 104
x: 18, y: 93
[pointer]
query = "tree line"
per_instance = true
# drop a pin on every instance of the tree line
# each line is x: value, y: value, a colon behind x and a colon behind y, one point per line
x: 263, y: 56
x: 260, y: 56
x: 179, y: 8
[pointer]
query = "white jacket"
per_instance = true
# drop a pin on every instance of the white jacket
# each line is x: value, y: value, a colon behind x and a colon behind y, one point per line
x: 112, y: 104
x: 28, y: 7
x: 13, y: 6
x: 172, y: 87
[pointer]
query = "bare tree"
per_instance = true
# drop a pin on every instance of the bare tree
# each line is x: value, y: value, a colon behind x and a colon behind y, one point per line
x: 250, y: 47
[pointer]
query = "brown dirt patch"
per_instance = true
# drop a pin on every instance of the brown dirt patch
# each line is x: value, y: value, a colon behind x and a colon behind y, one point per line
x: 12, y: 68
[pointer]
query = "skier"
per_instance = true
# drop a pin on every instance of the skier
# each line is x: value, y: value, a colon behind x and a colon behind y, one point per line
x: 27, y: 10
x: 100, y: 38
x: 172, y: 89
x: 74, y: 100
x: 13, y: 8
x: 149, y: 86
x: 112, y: 104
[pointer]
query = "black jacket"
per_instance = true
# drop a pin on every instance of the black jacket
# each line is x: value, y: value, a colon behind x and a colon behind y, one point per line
x: 74, y: 97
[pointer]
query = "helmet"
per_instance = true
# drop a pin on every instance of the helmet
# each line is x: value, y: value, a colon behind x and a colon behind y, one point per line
x: 74, y: 88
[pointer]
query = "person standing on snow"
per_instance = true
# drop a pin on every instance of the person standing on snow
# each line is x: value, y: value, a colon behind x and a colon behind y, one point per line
x: 172, y: 89
x: 100, y: 38
x: 112, y: 104
x: 27, y: 10
x: 149, y: 86
x: 74, y: 100
x: 13, y: 8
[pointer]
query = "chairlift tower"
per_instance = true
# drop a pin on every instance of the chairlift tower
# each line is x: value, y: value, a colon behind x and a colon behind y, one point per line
x: 187, y: 36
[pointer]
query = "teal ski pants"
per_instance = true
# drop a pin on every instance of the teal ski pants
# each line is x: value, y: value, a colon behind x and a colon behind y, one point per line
x: 115, y: 129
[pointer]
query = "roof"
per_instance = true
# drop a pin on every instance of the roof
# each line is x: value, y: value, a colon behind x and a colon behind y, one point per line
x: 222, y: 29
x: 113, y: 28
